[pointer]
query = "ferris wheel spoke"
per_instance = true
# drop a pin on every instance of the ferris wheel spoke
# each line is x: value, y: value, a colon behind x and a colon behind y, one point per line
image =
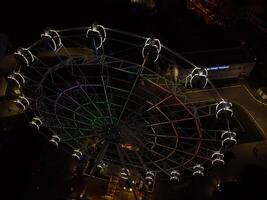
x: 73, y: 138
x: 157, y: 85
x: 199, y: 139
x: 140, y: 70
x: 185, y: 107
x: 82, y: 137
x: 176, y: 121
x: 179, y: 151
x: 79, y: 105
x: 151, y: 150
x: 71, y: 128
x: 59, y: 116
x: 216, y: 131
x: 164, y: 136
x: 106, y: 98
x: 90, y: 100
x: 62, y: 106
x: 201, y: 148
x: 160, y: 102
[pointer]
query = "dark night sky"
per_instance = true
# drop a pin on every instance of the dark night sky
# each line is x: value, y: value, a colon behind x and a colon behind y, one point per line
x: 169, y: 21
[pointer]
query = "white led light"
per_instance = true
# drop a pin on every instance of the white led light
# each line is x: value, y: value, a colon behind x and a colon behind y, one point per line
x: 125, y: 173
x: 77, y: 154
x: 36, y: 123
x: 98, y: 29
x: 54, y: 37
x: 229, y: 140
x: 55, y: 139
x: 224, y: 106
x: 197, y: 72
x: 17, y: 78
x: 101, y: 165
x: 217, y: 157
x: 23, y: 102
x: 24, y: 53
x: 217, y: 160
x: 154, y: 43
x: 20, y: 103
x: 198, y: 170
x: 174, y: 175
x: 149, y: 177
x: 229, y: 134
x: 198, y: 173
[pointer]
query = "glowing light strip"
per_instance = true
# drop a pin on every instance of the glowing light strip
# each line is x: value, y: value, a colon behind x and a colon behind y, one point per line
x: 21, y: 53
x: 55, y: 139
x: 48, y: 34
x: 94, y: 29
x: 202, y: 72
x: 149, y: 178
x: 223, y: 102
x: 25, y: 99
x: 37, y: 119
x: 11, y: 77
x: 151, y: 42
x: 124, y: 173
x: 217, y: 160
x: 34, y: 124
x: 20, y: 75
x: 19, y: 102
x: 77, y: 154
x: 174, y: 178
x: 104, y: 31
x: 217, y: 157
x: 224, y: 109
x: 231, y: 134
x: 175, y: 173
x: 213, y: 68
x: 231, y: 139
x: 198, y: 168
x: 198, y: 173
x: 205, y: 76
x: 217, y: 154
x: 150, y: 173
x: 101, y: 165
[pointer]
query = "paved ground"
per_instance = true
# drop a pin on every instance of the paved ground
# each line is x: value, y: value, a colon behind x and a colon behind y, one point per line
x: 245, y: 154
x: 240, y: 95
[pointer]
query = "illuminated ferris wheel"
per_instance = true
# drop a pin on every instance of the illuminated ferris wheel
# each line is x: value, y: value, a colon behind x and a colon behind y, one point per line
x: 120, y: 99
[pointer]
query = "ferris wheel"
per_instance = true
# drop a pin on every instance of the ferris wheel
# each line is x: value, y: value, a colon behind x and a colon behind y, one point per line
x: 122, y: 100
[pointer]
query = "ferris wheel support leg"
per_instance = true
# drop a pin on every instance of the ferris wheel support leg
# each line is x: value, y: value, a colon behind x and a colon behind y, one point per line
x: 120, y: 155
x: 99, y: 158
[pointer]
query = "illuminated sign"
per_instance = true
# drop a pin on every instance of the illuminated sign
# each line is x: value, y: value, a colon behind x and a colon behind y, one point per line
x: 214, y: 68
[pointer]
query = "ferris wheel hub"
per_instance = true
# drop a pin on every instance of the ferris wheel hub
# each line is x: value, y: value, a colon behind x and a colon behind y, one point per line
x: 113, y: 135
